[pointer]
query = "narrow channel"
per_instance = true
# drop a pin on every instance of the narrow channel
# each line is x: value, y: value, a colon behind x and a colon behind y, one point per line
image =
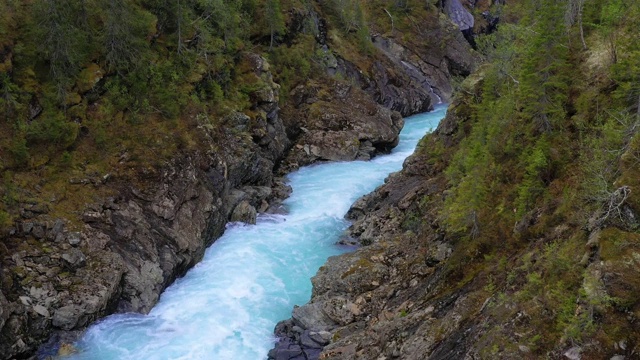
x: 226, y: 307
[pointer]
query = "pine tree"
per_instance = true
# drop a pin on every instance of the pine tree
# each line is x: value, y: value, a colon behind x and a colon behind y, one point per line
x: 275, y: 19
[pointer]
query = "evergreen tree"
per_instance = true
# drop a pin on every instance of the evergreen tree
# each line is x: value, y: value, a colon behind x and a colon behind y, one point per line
x: 544, y: 71
x: 275, y: 20
x: 124, y: 34
x: 61, y: 40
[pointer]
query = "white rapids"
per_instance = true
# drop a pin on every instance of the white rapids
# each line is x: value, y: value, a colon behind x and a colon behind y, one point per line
x: 226, y: 307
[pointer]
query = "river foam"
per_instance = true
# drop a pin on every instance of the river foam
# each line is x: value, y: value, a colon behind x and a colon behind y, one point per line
x: 226, y: 307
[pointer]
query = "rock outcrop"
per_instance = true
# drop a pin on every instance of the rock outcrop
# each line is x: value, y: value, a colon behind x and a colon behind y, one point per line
x: 459, y: 14
x: 342, y: 125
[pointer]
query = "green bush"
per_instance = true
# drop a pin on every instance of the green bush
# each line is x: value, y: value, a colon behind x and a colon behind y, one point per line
x: 52, y: 128
x: 533, y: 186
x: 19, y: 151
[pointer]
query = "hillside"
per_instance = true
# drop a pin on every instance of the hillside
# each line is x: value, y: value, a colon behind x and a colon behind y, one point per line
x: 133, y: 130
x: 513, y: 230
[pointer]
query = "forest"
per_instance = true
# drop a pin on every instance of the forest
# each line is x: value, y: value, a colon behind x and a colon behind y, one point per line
x: 548, y: 162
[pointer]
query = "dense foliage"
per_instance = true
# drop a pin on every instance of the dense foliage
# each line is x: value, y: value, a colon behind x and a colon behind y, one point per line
x: 549, y: 162
x: 85, y: 82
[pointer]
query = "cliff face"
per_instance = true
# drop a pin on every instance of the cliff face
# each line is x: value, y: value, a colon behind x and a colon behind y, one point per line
x: 121, y: 232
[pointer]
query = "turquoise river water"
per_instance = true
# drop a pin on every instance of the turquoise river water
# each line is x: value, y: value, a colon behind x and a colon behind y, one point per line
x: 226, y: 307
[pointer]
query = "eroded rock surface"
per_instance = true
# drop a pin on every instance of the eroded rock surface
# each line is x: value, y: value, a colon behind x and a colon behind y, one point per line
x: 341, y: 126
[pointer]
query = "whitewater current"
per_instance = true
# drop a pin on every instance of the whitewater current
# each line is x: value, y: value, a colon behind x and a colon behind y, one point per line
x: 226, y: 307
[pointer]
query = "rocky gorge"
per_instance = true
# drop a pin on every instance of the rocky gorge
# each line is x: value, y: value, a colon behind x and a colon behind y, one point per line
x: 133, y: 132
x: 506, y: 235
x: 61, y: 274
x: 381, y: 301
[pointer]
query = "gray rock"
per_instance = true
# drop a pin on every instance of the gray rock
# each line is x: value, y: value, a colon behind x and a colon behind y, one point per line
x: 308, y: 342
x: 4, y: 314
x: 293, y: 353
x: 311, y: 316
x: 74, y: 238
x: 235, y: 197
x: 42, y: 311
x: 574, y: 353
x: 27, y: 227
x: 256, y: 194
x: 443, y: 251
x: 38, y: 231
x: 333, y: 145
x: 25, y: 300
x: 141, y: 285
x: 321, y: 337
x: 312, y: 353
x: 340, y: 310
x: 74, y: 258
x: 38, y: 293
x: 244, y: 212
x: 67, y: 317
x: 18, y: 258
x: 56, y: 229
x: 165, y: 207
x: 458, y: 14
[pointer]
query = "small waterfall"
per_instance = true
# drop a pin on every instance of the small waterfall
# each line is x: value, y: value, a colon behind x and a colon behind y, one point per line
x: 436, y: 95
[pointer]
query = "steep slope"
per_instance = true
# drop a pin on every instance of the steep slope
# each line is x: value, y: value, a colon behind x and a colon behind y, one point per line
x: 512, y: 232
x: 132, y: 131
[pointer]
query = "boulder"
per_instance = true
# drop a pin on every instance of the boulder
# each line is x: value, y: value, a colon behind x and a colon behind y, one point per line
x: 74, y: 258
x: 67, y: 317
x: 41, y: 310
x: 244, y: 212
x: 459, y: 14
x: 74, y: 238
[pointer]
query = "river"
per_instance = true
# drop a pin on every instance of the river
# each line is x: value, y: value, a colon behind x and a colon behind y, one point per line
x: 226, y: 307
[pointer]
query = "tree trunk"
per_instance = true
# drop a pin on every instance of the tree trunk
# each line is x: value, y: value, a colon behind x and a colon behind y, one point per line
x: 638, y: 111
x: 179, y: 28
x: 271, y: 44
x: 580, y: 9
